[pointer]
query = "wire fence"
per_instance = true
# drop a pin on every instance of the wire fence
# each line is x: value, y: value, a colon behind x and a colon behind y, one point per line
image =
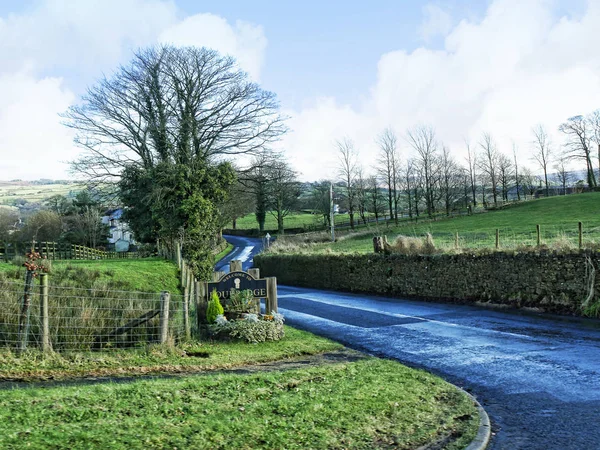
x: 76, y: 319
x: 560, y: 237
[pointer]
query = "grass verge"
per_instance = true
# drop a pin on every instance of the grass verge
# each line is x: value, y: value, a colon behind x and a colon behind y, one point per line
x: 155, y: 359
x: 370, y: 403
x: 224, y: 253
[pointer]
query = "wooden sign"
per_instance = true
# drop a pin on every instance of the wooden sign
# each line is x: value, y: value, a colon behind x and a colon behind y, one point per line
x: 240, y: 281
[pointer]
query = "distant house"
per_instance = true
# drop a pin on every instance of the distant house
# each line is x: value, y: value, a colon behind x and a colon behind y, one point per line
x: 121, y: 238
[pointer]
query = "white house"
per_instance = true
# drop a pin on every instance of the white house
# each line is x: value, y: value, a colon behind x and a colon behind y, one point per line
x: 121, y: 237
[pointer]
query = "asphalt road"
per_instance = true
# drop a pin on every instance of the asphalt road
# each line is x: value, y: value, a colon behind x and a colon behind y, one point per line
x: 537, y: 376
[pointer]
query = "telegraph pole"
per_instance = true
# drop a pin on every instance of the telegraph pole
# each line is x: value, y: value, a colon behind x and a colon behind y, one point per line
x: 331, y: 217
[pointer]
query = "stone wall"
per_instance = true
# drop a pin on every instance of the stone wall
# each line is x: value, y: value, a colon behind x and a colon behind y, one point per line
x: 553, y: 282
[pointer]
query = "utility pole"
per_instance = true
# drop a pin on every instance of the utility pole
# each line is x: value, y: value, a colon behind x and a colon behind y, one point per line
x: 331, y: 217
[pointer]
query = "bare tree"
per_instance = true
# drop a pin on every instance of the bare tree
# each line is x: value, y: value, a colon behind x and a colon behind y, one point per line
x: 517, y: 179
x: 594, y: 120
x: 423, y: 140
x: 388, y: 167
x: 579, y: 144
x: 348, y: 163
x: 471, y: 168
x: 563, y: 176
x: 489, y: 163
x: 283, y: 190
x: 505, y: 174
x: 375, y: 201
x: 361, y: 193
x: 450, y: 179
x: 408, y: 173
x: 530, y: 182
x: 542, y: 151
x: 173, y: 105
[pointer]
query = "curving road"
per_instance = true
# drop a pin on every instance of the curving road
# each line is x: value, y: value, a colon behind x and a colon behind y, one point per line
x: 537, y: 376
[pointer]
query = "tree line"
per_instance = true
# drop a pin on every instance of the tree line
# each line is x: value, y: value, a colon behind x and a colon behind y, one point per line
x: 432, y: 181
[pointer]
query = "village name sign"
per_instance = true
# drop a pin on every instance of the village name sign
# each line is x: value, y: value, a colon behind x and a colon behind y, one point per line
x: 240, y: 281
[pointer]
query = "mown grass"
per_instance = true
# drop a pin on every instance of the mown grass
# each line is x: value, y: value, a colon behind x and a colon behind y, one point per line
x: 365, y: 404
x: 35, y: 365
x: 558, y: 218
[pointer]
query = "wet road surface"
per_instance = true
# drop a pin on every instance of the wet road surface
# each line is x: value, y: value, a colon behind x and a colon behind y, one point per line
x: 537, y: 376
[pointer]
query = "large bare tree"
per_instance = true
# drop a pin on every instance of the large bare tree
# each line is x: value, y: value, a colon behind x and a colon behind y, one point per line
x: 579, y: 134
x: 172, y: 104
x: 347, y: 170
x: 542, y: 151
x: 423, y: 140
x: 472, y: 170
x: 388, y: 167
x: 164, y: 126
x: 488, y: 163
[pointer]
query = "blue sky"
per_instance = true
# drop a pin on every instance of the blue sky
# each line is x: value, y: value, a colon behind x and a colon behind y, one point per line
x: 341, y: 69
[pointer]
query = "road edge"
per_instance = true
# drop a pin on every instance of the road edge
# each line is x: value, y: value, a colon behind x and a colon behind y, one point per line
x: 484, y: 433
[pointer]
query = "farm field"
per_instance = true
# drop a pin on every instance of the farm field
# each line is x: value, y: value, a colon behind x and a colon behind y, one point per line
x: 296, y: 220
x: 35, y: 193
x: 558, y: 218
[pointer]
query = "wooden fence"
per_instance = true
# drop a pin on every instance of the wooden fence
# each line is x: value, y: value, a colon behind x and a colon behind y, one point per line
x: 58, y: 250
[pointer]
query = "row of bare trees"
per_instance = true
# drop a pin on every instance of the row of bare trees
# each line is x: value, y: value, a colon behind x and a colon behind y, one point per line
x: 431, y: 181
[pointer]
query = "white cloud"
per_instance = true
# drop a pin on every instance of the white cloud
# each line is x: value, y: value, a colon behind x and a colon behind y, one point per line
x: 437, y: 22
x: 244, y: 41
x: 33, y: 143
x: 516, y: 67
x: 80, y: 40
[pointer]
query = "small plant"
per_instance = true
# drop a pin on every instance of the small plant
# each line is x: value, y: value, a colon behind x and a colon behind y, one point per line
x: 214, y: 307
x: 241, y: 301
x: 252, y: 328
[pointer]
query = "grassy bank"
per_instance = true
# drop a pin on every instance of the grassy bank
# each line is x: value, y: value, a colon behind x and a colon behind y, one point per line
x: 558, y: 218
x: 365, y: 404
x: 146, y: 275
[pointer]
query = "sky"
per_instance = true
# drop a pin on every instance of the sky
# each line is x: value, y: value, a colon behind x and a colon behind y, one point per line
x: 341, y: 69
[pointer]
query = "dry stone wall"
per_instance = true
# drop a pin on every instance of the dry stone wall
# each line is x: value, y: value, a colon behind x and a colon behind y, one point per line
x: 553, y: 282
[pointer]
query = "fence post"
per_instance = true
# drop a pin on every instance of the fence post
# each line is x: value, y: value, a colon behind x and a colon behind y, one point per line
x: 254, y: 272
x: 44, y: 312
x: 456, y: 240
x: 186, y: 312
x: 218, y: 275
x: 25, y: 310
x: 235, y: 265
x: 201, y: 304
x: 178, y: 254
x: 165, y: 298
x: 537, y: 229
x: 580, y: 226
x: 271, y: 302
x: 497, y: 238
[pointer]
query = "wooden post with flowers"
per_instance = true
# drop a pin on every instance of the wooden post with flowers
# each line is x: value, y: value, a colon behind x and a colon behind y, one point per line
x: 32, y: 270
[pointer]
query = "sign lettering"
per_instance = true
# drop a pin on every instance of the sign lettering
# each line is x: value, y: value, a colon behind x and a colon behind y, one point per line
x: 239, y: 281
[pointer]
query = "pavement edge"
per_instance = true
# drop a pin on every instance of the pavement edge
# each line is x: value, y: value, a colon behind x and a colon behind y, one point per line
x: 484, y: 433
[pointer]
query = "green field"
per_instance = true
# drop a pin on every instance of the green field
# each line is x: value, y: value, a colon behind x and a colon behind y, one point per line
x: 558, y: 218
x: 36, y: 193
x: 297, y: 220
